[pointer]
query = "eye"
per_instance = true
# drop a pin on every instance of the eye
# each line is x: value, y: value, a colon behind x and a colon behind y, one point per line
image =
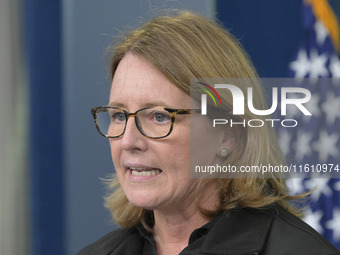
x: 118, y: 116
x: 161, y: 117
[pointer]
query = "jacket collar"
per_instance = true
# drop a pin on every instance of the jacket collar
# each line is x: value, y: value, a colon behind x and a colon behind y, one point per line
x: 241, y: 231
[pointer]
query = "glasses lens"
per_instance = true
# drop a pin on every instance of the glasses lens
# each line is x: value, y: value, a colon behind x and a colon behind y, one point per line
x: 111, y: 122
x: 154, y: 122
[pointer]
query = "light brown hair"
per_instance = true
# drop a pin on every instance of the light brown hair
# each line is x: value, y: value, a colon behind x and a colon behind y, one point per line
x: 184, y: 46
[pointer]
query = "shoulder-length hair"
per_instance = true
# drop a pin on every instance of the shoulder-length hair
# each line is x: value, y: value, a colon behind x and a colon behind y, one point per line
x: 184, y: 46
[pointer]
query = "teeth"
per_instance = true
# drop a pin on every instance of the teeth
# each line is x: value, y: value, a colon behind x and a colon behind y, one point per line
x: 144, y: 172
x: 137, y: 168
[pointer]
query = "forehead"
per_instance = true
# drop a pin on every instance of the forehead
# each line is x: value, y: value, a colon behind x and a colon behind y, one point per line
x: 138, y: 83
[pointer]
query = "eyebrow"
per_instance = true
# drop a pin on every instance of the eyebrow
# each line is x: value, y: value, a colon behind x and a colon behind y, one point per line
x: 118, y: 105
x: 122, y: 105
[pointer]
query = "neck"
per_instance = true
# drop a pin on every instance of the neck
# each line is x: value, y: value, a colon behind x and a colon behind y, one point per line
x: 173, y: 228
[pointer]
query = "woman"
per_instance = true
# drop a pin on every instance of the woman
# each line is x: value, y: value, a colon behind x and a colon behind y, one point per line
x: 160, y: 209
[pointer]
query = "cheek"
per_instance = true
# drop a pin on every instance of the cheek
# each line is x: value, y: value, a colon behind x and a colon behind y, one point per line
x: 115, y: 152
x: 204, y: 143
x: 177, y: 158
x: 180, y: 155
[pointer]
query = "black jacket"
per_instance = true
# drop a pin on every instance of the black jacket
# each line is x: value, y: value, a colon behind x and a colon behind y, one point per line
x: 273, y: 231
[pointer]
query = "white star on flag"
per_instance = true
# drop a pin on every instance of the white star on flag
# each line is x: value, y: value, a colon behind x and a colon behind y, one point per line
x: 313, y: 219
x: 318, y: 64
x: 320, y: 185
x: 331, y: 107
x: 334, y: 224
x: 301, y: 65
x: 302, y: 144
x: 326, y: 145
x: 296, y: 186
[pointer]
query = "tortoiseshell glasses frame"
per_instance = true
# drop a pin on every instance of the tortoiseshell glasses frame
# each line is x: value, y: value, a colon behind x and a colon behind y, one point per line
x: 121, y: 117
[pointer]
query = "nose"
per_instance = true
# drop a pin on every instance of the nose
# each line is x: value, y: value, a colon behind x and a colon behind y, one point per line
x: 132, y: 139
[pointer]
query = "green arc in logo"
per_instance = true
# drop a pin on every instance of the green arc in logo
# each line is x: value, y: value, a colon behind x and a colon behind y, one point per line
x: 208, y: 92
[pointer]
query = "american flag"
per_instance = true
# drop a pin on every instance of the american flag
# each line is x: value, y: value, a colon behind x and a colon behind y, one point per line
x: 317, y: 140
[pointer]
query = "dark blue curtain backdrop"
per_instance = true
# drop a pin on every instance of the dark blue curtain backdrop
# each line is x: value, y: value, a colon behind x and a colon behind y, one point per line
x: 270, y: 31
x: 43, y: 39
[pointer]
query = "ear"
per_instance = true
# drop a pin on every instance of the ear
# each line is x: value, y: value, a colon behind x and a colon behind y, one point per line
x: 228, y: 139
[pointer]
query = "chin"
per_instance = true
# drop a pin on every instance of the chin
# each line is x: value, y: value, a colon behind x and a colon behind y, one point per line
x: 142, y: 199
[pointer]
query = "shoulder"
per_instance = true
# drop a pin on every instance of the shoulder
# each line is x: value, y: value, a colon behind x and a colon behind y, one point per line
x: 110, y: 242
x: 288, y: 232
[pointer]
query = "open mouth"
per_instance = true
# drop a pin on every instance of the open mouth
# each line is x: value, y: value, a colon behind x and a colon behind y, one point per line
x: 136, y: 171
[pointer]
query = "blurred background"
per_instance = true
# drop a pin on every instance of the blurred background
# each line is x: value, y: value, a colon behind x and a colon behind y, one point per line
x: 53, y: 70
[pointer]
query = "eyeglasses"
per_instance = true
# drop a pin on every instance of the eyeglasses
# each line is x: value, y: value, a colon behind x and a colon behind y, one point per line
x: 153, y: 122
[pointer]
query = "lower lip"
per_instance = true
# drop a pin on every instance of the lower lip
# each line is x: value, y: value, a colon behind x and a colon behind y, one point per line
x: 141, y: 177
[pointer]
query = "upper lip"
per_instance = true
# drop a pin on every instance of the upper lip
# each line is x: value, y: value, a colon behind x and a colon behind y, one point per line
x: 141, y: 166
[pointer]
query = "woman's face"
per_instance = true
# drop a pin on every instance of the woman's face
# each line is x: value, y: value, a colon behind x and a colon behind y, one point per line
x: 165, y: 163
